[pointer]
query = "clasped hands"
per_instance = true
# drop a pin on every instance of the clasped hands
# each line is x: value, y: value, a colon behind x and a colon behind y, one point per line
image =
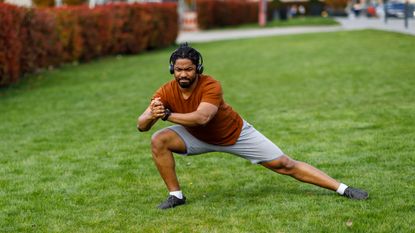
x: 157, y: 108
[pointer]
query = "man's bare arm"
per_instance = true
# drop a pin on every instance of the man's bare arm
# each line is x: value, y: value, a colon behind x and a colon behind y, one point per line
x: 204, y: 113
x: 150, y: 116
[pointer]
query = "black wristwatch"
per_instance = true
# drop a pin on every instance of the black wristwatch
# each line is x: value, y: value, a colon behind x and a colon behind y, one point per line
x: 167, y: 113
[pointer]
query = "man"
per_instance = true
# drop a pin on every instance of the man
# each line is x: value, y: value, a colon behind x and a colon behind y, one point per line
x: 205, y: 123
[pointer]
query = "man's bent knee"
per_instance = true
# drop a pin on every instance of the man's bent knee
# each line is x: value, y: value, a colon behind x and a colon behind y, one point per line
x: 166, y: 139
x: 160, y: 140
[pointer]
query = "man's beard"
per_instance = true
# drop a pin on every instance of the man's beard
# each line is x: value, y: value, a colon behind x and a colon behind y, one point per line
x: 185, y: 84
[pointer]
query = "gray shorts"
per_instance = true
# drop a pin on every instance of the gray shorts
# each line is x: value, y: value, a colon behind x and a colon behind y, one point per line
x: 251, y: 145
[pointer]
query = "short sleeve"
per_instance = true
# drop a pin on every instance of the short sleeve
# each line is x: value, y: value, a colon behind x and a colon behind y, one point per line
x: 212, y: 93
x: 161, y: 93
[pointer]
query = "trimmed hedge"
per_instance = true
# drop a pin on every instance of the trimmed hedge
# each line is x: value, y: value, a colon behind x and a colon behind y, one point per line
x: 31, y: 39
x: 214, y: 13
x: 40, y: 42
x: 44, y: 3
x: 74, y: 2
x: 50, y: 3
x: 336, y: 7
x: 10, y: 47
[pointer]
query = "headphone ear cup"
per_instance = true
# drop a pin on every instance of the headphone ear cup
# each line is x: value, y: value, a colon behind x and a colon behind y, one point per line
x: 199, y: 68
x: 171, y: 69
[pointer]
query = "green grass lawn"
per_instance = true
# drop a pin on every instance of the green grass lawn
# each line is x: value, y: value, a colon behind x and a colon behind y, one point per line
x: 303, y: 21
x: 71, y: 159
x: 297, y: 21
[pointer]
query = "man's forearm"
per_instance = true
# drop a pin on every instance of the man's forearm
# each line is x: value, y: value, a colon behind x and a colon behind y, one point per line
x: 189, y: 119
x: 145, y: 122
x: 204, y: 113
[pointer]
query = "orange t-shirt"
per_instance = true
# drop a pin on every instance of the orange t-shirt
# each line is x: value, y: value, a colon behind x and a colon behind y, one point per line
x: 223, y: 129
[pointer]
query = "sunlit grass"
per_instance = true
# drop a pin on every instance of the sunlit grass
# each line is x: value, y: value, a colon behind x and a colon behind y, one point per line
x: 292, y: 22
x: 71, y: 159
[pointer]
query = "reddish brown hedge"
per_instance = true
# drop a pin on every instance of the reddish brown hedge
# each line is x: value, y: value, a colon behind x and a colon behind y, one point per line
x: 43, y: 3
x: 74, y: 2
x: 40, y: 43
x: 215, y: 13
x: 11, y: 18
x: 69, y: 32
x: 38, y: 38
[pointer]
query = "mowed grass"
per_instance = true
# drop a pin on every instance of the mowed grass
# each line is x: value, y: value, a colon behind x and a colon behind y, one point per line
x: 298, y: 21
x: 293, y: 22
x: 71, y: 159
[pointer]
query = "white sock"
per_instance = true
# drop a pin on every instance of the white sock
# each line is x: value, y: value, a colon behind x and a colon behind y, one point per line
x: 341, y: 188
x: 177, y: 194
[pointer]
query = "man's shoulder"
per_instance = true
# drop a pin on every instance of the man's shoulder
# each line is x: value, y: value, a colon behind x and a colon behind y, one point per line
x: 210, y: 86
x: 168, y: 85
x: 209, y: 80
x: 165, y: 90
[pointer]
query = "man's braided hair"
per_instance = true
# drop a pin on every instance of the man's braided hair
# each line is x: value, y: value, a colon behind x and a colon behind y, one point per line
x: 186, y: 52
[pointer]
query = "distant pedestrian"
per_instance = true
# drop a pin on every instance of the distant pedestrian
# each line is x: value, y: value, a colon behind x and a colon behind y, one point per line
x: 356, y: 9
x: 301, y: 10
x: 293, y: 11
x: 349, y: 9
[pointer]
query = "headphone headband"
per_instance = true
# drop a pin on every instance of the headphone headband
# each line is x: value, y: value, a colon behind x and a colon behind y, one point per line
x: 199, y: 65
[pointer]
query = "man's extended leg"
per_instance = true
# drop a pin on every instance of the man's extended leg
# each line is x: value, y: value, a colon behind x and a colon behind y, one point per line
x: 163, y: 143
x: 302, y: 172
x: 309, y: 174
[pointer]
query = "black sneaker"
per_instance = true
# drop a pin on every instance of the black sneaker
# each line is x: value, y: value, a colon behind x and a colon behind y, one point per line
x: 171, y: 202
x: 354, y: 193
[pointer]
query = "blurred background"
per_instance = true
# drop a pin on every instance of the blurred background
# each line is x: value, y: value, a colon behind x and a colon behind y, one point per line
x: 80, y: 30
x: 370, y: 8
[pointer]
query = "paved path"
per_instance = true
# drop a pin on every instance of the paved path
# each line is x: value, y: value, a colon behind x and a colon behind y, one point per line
x: 393, y: 24
x: 396, y: 25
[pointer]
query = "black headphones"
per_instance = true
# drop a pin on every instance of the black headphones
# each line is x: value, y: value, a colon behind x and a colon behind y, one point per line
x: 199, y: 66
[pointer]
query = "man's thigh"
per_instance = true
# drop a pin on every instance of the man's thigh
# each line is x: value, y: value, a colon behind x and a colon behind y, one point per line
x: 251, y: 145
x: 170, y: 139
x: 193, y: 146
x: 254, y: 146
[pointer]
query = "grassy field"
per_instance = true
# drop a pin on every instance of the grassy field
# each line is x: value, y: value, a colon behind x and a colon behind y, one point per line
x: 71, y: 159
x: 298, y: 21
